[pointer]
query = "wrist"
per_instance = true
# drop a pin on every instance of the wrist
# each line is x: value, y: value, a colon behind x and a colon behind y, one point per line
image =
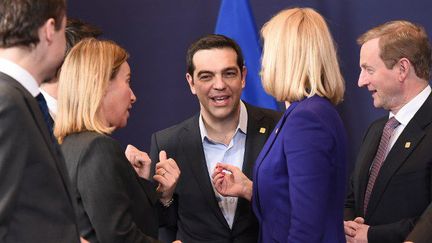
x: 166, y: 203
x: 247, y: 189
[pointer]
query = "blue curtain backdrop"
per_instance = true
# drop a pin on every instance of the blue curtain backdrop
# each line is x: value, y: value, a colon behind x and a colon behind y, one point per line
x: 157, y: 34
x: 236, y: 21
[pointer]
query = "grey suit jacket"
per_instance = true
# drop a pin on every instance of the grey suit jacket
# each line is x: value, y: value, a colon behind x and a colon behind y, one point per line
x: 403, y: 188
x: 114, y: 204
x: 196, y: 213
x: 35, y: 197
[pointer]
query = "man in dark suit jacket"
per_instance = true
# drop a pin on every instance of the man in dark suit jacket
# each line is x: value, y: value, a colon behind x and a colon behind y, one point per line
x: 226, y: 130
x: 35, y: 196
x: 391, y: 185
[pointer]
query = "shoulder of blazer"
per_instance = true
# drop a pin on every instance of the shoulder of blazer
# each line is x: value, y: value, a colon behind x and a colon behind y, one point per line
x: 258, y: 113
x: 11, y: 90
x: 166, y: 135
x: 423, y: 116
x: 76, y: 145
x: 86, y: 138
x: 376, y: 125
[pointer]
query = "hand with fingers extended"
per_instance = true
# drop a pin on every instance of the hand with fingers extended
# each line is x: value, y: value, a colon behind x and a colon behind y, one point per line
x: 167, y: 174
x: 229, y: 180
x: 140, y: 161
x: 356, y: 231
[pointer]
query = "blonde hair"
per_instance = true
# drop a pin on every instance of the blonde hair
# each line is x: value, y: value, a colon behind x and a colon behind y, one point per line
x: 83, y: 81
x: 299, y: 58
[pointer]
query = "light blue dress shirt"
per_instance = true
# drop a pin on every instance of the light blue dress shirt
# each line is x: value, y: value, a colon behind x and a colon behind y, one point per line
x: 232, y: 153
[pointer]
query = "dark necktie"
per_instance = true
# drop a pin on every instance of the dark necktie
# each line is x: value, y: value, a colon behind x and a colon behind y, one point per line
x: 47, y: 117
x: 380, y: 156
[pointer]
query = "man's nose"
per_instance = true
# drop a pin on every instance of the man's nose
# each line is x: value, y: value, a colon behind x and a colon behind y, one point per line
x: 219, y: 82
x: 362, y: 81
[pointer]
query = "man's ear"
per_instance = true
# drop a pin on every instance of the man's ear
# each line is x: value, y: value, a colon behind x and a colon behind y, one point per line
x: 191, y: 83
x: 48, y: 30
x: 244, y: 73
x: 404, y: 66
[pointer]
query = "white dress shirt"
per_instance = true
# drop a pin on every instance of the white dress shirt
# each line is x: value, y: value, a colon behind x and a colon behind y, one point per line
x: 21, y: 75
x: 406, y: 113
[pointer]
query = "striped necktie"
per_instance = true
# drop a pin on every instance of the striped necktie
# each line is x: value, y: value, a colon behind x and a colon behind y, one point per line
x: 380, y: 156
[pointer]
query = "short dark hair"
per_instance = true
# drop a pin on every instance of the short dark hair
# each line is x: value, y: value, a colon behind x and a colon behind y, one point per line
x: 76, y: 30
x: 212, y: 41
x: 20, y: 20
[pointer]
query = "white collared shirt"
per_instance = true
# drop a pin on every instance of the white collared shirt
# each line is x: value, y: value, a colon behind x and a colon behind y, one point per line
x: 406, y: 113
x: 232, y: 154
x: 21, y: 75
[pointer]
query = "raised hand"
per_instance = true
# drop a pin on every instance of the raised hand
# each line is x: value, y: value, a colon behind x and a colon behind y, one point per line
x: 229, y: 180
x: 167, y: 174
x: 140, y: 161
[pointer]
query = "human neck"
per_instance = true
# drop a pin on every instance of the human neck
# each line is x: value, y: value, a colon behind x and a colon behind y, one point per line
x: 27, y: 58
x: 221, y: 130
x: 51, y: 88
x: 417, y: 86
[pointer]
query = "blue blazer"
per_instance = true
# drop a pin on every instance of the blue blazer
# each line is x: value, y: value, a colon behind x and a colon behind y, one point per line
x: 299, y: 177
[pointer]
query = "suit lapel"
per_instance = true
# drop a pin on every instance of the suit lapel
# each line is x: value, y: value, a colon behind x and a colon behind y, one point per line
x: 257, y: 133
x: 413, y: 133
x: 274, y: 135
x: 263, y: 154
x: 191, y: 145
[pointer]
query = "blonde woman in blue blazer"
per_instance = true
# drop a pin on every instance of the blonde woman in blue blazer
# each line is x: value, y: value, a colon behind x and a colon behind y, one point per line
x: 299, y: 179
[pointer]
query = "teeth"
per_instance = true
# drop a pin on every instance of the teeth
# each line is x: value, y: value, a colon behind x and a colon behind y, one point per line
x: 220, y: 98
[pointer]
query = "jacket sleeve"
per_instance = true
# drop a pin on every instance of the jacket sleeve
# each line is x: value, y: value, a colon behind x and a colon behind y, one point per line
x: 394, y: 232
x: 102, y: 173
x: 15, y: 150
x: 422, y: 230
x: 349, y: 209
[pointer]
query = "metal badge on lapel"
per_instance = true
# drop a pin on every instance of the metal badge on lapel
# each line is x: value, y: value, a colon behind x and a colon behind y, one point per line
x: 262, y: 130
x: 407, y: 145
x: 276, y: 130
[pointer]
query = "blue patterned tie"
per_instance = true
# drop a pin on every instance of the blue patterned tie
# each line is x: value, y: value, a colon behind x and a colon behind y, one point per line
x: 47, y: 117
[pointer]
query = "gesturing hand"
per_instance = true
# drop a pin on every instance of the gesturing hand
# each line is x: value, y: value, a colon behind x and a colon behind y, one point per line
x: 229, y: 180
x: 167, y: 174
x: 140, y: 161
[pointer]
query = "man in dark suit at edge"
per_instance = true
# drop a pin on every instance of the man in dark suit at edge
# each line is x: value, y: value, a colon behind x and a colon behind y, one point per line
x: 35, y: 195
x: 226, y: 130
x: 391, y: 184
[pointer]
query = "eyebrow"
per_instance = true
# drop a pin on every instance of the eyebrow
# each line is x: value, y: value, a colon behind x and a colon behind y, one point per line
x: 204, y: 72
x: 230, y: 69
x: 364, y: 65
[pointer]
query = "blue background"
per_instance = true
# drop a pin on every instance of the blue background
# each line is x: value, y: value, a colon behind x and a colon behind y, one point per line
x: 157, y: 33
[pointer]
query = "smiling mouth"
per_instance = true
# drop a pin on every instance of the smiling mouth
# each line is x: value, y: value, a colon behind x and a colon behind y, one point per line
x: 220, y: 99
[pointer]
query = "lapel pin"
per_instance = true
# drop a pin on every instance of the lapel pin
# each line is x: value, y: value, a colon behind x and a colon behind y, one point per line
x: 407, y: 144
x: 262, y: 130
x: 277, y: 130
